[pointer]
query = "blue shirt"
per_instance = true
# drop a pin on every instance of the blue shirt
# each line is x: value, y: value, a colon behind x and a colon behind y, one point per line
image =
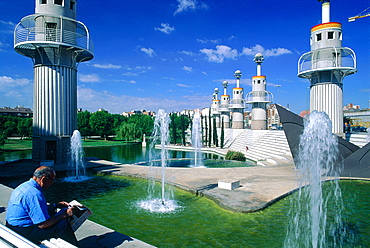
x: 27, y: 205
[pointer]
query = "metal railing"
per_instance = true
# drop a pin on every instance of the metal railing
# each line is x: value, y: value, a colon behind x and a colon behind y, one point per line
x: 27, y: 31
x: 259, y: 96
x: 327, y: 58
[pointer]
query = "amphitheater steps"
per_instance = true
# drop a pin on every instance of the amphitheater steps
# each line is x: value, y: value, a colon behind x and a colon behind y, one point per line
x: 266, y: 147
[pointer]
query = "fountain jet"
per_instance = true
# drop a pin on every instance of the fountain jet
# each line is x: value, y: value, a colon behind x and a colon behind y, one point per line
x: 196, y: 135
x: 76, y: 163
x: 159, y: 201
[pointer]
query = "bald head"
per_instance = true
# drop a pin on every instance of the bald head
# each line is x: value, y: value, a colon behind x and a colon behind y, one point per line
x: 44, y: 171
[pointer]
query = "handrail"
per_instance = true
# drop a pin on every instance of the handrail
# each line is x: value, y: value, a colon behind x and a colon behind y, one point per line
x: 26, y: 31
x: 327, y: 58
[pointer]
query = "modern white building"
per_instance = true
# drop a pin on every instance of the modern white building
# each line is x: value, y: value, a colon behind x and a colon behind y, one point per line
x: 325, y: 66
x: 237, y: 103
x: 56, y: 42
x: 259, y: 97
x: 224, y: 106
x: 215, y: 107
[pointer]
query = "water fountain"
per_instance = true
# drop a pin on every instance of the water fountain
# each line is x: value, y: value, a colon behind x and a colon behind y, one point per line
x: 310, y: 224
x: 76, y: 164
x: 159, y: 201
x: 196, y: 134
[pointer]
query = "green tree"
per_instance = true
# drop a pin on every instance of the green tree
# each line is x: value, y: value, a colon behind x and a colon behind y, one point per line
x: 145, y: 122
x: 10, y: 127
x: 118, y: 120
x: 206, y: 130
x: 83, y: 123
x: 101, y: 123
x: 24, y: 127
x: 222, y: 133
x: 183, y: 129
x: 215, y: 138
x: 173, y: 128
x: 2, y: 138
x: 210, y: 129
x: 129, y: 131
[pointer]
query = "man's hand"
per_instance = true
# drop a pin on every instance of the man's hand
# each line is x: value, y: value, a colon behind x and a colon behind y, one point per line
x: 63, y: 204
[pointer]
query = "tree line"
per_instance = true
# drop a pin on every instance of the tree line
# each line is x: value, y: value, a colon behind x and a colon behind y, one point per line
x: 105, y: 124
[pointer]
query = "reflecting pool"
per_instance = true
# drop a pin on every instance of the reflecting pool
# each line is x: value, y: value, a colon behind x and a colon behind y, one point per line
x: 125, y: 154
x: 200, y: 222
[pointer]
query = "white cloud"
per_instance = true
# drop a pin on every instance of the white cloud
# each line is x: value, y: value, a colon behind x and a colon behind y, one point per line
x: 186, y: 5
x: 221, y: 53
x: 107, y: 66
x: 165, y: 28
x: 89, y: 78
x: 205, y: 40
x: 183, y: 85
x: 266, y: 52
x: 148, y: 51
x: 188, y: 68
x: 11, y: 82
x: 16, y: 91
x: 135, y: 71
x: 188, y: 53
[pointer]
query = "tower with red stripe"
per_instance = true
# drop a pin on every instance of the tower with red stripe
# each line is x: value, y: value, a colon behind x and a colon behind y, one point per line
x: 325, y: 66
x: 259, y: 97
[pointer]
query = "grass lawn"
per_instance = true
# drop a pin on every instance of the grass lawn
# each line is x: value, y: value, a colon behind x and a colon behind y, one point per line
x: 16, y: 144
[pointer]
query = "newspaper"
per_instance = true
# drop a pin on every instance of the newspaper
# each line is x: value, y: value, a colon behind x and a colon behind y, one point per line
x: 80, y: 214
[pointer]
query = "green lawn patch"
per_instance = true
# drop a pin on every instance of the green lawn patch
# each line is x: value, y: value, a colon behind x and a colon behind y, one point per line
x: 26, y: 144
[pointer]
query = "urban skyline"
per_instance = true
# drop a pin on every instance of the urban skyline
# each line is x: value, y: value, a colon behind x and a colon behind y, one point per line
x: 172, y: 54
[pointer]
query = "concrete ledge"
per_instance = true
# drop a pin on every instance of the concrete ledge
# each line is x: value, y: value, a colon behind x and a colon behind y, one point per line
x: 229, y: 184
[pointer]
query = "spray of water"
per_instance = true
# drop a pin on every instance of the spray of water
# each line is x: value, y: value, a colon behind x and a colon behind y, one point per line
x: 76, y: 163
x: 310, y: 224
x: 159, y: 201
x: 196, y: 134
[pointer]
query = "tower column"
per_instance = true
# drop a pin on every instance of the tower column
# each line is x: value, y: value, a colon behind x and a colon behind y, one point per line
x: 259, y: 97
x: 56, y: 42
x: 237, y: 103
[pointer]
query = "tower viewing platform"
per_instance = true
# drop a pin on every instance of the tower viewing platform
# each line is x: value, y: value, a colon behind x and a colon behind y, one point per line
x: 327, y: 59
x: 28, y: 36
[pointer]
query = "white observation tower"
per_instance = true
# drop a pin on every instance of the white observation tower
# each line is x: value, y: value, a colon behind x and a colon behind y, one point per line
x: 224, y: 106
x: 325, y: 66
x: 259, y: 97
x: 56, y: 42
x: 215, y: 107
x: 237, y: 103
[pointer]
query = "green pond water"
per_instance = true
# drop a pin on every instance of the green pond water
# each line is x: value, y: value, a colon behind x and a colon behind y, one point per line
x: 200, y: 222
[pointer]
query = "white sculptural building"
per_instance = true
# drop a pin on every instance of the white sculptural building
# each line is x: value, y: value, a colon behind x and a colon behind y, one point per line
x: 233, y: 112
x: 259, y: 97
x: 215, y: 107
x: 325, y: 66
x: 56, y: 42
x: 237, y: 103
x: 224, y: 106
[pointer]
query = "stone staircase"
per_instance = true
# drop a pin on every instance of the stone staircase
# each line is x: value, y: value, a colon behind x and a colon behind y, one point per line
x: 359, y: 139
x: 266, y: 147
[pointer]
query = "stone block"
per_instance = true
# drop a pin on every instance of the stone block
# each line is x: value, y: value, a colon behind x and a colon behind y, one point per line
x: 229, y: 184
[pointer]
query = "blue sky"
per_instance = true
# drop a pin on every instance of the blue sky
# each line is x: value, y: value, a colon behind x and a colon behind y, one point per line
x: 171, y: 54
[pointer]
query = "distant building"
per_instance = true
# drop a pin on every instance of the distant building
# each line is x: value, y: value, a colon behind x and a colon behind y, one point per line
x: 138, y: 112
x: 273, y: 119
x: 351, y: 106
x: 17, y: 112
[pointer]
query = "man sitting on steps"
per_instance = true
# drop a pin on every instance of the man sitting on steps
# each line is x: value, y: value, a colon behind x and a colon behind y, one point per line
x: 27, y: 212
